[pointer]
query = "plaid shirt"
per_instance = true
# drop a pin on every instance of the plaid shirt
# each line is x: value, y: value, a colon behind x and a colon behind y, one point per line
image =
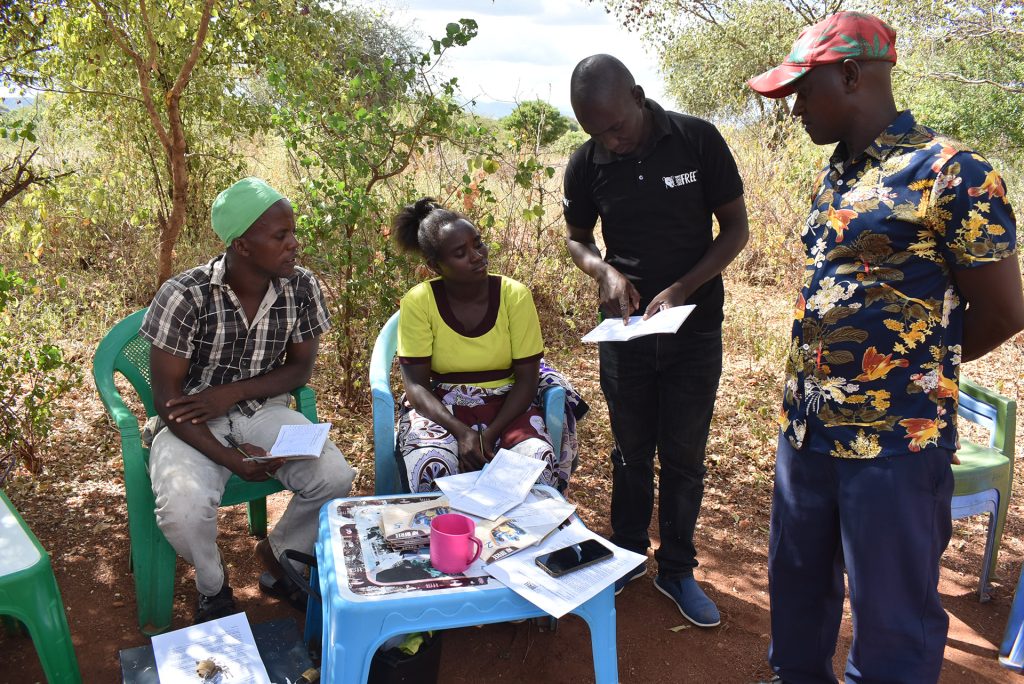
x: 197, y: 316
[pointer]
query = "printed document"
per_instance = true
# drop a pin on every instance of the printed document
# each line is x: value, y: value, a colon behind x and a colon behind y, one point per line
x: 221, y: 650
x: 298, y: 442
x: 665, y: 321
x: 503, y: 484
x: 560, y: 595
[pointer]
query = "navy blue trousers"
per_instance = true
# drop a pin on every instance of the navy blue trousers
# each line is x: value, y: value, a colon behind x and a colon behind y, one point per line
x: 661, y: 394
x: 887, y: 521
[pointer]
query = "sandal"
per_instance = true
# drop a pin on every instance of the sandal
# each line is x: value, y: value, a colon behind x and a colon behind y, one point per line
x: 283, y: 589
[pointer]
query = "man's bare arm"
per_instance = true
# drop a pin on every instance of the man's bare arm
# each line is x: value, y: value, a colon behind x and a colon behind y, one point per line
x: 618, y: 295
x: 217, y: 401
x: 168, y: 377
x: 995, y: 305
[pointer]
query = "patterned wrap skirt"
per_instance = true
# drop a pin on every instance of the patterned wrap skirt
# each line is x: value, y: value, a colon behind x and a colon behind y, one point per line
x: 427, y: 451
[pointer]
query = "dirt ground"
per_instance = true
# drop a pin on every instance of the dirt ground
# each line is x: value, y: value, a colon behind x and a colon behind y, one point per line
x: 77, y: 510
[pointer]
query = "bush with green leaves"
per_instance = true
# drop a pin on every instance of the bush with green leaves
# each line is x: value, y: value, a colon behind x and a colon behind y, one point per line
x: 34, y: 375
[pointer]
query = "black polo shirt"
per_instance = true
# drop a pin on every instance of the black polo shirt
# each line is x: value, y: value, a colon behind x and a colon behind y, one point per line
x: 656, y: 206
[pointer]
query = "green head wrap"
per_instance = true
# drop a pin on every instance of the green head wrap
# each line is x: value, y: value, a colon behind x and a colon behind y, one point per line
x: 238, y: 207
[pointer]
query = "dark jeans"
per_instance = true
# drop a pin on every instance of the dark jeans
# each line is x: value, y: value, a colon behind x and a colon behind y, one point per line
x: 887, y: 522
x: 661, y: 393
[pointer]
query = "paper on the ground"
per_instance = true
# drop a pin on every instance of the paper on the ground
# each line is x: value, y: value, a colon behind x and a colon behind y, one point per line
x: 298, y: 441
x: 665, y: 321
x: 504, y: 483
x: 223, y: 647
x: 560, y: 595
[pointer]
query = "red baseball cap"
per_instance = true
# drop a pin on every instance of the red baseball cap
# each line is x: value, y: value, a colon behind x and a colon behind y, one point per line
x: 838, y: 37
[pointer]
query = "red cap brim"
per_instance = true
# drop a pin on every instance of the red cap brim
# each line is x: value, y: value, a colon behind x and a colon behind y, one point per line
x: 778, y: 82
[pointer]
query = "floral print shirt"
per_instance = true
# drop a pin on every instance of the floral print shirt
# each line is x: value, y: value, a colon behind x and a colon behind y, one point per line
x: 873, y: 365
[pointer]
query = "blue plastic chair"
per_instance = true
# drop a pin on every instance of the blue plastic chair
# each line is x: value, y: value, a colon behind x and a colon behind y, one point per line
x: 29, y: 593
x: 1011, y: 652
x: 387, y: 479
x: 985, y: 475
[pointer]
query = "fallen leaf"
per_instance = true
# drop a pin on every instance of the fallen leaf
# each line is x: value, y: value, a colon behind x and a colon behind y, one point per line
x: 678, y: 628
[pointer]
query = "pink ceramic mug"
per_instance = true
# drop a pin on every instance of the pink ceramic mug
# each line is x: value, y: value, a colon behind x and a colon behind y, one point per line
x: 452, y: 543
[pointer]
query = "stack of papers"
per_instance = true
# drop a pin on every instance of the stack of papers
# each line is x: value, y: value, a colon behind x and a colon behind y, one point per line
x: 665, y: 321
x: 502, y: 485
x: 560, y: 595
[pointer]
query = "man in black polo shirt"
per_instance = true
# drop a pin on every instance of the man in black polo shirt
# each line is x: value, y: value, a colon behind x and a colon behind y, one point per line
x: 655, y: 179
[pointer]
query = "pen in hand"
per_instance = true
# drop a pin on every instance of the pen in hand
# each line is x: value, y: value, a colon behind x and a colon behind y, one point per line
x: 238, y: 447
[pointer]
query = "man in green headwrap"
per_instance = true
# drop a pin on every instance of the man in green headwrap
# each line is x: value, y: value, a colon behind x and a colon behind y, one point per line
x: 230, y: 339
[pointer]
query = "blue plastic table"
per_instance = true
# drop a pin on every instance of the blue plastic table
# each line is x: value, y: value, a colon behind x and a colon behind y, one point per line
x: 363, y: 607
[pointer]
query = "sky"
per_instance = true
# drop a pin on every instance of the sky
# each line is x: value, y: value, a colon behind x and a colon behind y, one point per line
x: 526, y: 49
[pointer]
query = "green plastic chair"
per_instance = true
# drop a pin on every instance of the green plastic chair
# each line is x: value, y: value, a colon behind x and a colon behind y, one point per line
x: 152, y: 557
x: 29, y: 594
x: 984, y: 478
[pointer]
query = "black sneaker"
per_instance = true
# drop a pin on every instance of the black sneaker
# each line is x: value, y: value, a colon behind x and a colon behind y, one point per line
x: 217, y: 606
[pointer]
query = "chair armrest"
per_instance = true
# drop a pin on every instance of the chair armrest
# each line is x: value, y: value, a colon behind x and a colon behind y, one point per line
x: 305, y: 402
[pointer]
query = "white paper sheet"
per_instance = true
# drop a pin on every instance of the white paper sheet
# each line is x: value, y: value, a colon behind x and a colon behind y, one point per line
x: 665, y: 321
x: 225, y: 646
x: 560, y: 595
x: 298, y: 442
x: 503, y: 484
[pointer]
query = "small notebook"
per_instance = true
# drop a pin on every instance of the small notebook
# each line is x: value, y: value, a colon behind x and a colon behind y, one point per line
x: 298, y: 441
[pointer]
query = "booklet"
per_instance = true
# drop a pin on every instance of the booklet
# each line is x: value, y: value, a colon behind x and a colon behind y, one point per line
x: 298, y: 442
x: 665, y: 321
x: 221, y: 650
x: 503, y: 484
x: 407, y: 525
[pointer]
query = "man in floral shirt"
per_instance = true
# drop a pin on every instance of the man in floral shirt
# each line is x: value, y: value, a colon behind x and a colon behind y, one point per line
x: 911, y: 270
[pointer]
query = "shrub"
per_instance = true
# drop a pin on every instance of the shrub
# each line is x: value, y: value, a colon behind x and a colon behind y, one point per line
x: 34, y: 375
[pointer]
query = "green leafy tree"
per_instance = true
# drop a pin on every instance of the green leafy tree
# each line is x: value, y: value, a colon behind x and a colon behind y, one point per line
x: 177, y: 85
x: 354, y: 125
x: 535, y: 124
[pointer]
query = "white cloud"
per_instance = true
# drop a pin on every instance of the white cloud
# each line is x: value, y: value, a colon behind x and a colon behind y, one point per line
x: 526, y: 49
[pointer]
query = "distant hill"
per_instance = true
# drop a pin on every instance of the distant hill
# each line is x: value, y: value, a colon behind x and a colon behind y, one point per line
x: 494, y: 110
x: 9, y: 103
x: 497, y: 110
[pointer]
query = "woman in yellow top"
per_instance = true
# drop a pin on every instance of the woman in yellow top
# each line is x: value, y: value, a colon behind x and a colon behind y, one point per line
x: 470, y: 347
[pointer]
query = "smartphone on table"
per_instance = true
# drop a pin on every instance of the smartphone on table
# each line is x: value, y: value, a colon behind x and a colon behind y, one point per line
x: 569, y: 558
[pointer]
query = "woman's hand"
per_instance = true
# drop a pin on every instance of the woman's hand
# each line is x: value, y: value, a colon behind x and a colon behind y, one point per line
x: 471, y: 455
x: 490, y: 444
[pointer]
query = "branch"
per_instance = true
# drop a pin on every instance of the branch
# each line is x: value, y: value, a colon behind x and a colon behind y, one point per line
x: 186, y: 69
x: 144, y: 76
x: 23, y: 177
x: 85, y: 91
x: 957, y: 78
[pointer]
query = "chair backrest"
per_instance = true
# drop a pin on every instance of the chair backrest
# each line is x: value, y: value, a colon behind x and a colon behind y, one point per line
x: 123, y: 351
x: 386, y: 477
x: 992, y: 411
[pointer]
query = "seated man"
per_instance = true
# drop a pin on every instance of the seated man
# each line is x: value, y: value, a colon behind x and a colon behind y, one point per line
x: 230, y: 340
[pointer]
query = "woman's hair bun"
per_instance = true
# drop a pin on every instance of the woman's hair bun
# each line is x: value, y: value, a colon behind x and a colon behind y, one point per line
x: 423, y: 207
